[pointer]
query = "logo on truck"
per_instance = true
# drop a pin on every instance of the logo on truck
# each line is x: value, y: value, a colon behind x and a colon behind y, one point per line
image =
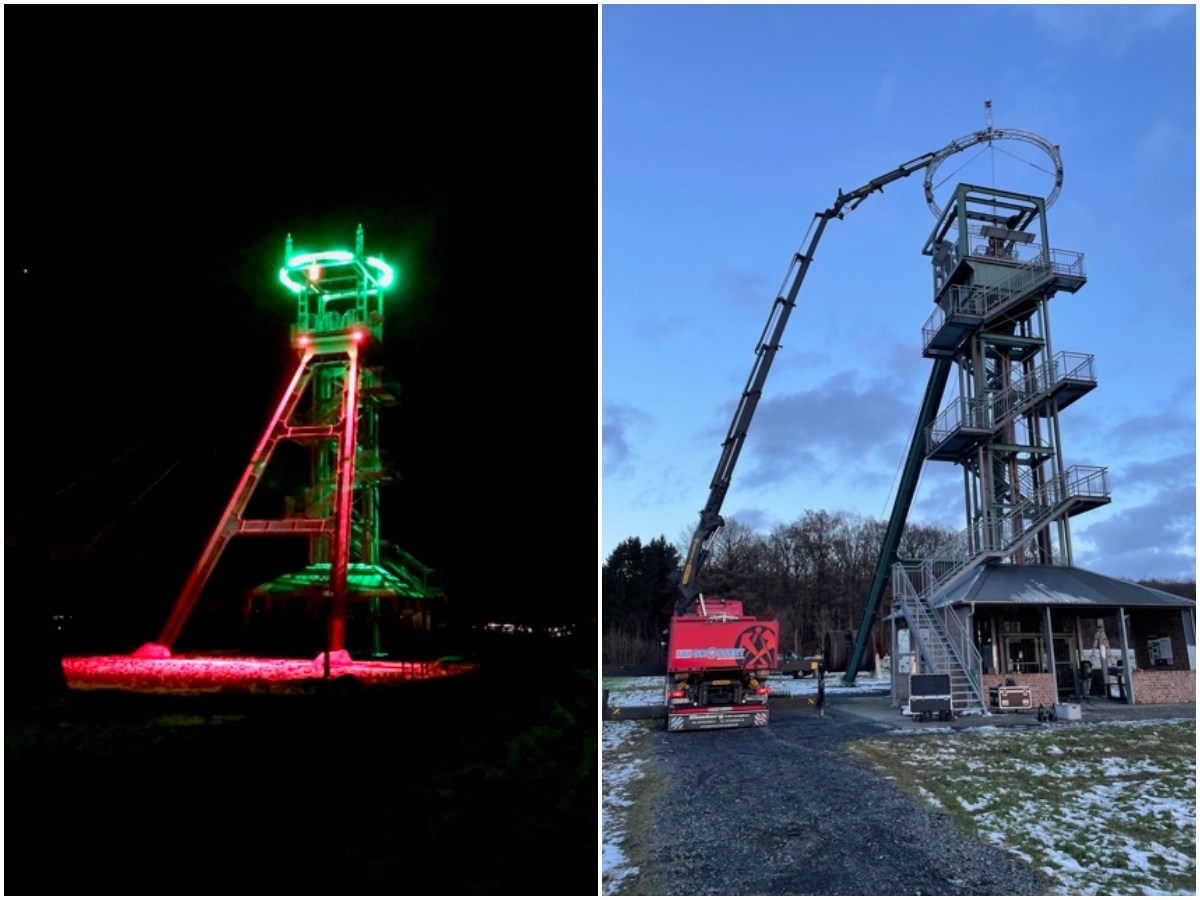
x: 757, y: 643
x: 710, y: 653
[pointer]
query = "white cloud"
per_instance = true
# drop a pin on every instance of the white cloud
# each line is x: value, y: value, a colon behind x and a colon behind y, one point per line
x: 617, y: 453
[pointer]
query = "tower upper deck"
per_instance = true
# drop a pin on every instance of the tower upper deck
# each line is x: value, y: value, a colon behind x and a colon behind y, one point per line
x: 991, y: 259
x: 337, y: 292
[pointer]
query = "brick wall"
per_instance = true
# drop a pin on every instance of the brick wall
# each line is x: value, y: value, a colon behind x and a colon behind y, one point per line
x: 1164, y: 686
x: 1149, y: 686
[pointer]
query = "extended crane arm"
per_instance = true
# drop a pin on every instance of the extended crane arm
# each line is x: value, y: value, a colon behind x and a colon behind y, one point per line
x: 769, y: 344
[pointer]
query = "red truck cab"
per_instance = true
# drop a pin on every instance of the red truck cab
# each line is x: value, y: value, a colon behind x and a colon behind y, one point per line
x: 718, y: 659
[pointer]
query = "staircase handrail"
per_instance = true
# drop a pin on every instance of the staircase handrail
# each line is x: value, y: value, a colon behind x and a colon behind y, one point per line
x: 952, y: 652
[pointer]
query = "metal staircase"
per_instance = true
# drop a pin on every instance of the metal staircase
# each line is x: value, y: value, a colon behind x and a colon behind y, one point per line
x: 945, y: 646
x: 940, y: 635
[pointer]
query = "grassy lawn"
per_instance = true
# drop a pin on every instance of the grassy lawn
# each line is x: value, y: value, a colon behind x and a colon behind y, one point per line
x: 1101, y: 810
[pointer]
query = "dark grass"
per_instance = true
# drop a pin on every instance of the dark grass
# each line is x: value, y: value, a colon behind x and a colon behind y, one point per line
x: 485, y: 784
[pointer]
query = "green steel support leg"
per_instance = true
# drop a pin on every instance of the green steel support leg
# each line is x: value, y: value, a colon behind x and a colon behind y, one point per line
x: 904, y: 497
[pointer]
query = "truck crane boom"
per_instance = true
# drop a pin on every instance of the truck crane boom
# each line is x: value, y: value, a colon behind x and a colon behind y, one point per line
x: 769, y: 343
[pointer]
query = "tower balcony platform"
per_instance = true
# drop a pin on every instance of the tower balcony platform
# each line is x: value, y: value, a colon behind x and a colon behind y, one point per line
x: 1053, y: 385
x: 998, y: 287
x: 1003, y: 533
x: 963, y: 425
x: 1078, y: 490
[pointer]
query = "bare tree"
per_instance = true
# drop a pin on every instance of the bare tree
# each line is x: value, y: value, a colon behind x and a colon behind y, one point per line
x: 813, y: 574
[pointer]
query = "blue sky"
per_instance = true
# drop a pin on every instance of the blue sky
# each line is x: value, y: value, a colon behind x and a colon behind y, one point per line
x: 725, y: 128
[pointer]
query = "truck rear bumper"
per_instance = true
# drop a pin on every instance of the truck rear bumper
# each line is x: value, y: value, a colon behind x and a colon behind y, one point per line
x: 705, y: 718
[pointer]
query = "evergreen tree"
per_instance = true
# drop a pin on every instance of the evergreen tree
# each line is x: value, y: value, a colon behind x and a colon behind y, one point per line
x: 637, y: 586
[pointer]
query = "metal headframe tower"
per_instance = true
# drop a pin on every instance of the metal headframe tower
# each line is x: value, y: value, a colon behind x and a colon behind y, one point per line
x: 994, y: 274
x: 330, y: 405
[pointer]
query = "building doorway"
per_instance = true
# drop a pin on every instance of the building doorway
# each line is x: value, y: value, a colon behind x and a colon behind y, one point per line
x: 1025, y: 654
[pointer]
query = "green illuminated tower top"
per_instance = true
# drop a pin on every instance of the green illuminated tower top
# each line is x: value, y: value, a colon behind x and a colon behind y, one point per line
x: 337, y: 293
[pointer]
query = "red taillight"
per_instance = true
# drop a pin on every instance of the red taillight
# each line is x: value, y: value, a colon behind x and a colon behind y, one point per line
x: 676, y: 695
x: 765, y: 689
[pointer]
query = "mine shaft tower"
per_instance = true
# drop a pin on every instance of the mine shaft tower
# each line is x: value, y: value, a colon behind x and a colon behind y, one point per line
x: 330, y: 406
x: 994, y: 274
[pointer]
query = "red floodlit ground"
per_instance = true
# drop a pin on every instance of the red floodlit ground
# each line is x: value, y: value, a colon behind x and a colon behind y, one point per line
x: 213, y: 674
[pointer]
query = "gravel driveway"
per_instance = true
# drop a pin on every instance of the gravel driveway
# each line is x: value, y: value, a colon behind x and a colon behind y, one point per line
x: 785, y: 810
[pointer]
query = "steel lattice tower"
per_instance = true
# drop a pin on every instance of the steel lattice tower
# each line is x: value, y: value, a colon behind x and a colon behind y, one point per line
x: 330, y: 406
x: 994, y: 274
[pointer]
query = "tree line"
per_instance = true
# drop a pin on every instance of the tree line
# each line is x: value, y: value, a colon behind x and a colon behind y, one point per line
x: 812, y: 574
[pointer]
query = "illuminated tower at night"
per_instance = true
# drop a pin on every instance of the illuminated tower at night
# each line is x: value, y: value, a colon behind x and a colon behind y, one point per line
x: 330, y: 407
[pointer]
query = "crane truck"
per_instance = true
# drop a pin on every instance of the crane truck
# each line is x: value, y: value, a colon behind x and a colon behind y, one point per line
x: 717, y: 655
x: 718, y: 660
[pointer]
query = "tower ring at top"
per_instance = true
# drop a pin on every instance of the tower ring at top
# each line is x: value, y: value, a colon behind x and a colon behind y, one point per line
x: 988, y: 135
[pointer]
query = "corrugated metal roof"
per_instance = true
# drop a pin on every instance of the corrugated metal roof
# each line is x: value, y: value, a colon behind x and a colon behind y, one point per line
x: 1056, y: 586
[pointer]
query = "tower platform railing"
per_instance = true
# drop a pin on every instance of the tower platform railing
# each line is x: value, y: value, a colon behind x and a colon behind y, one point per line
x: 982, y: 415
x: 1065, y: 366
x: 971, y: 302
x: 994, y: 536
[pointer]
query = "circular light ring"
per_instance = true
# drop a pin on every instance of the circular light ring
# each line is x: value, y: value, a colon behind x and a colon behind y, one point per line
x: 988, y: 135
x: 386, y: 274
x: 304, y: 259
x: 381, y: 276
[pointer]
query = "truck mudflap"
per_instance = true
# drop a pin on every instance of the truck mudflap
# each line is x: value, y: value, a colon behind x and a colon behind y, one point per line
x: 706, y: 718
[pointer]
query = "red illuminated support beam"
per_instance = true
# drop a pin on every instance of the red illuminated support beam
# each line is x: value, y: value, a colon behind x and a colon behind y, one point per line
x: 283, y: 526
x: 344, y: 504
x: 228, y: 524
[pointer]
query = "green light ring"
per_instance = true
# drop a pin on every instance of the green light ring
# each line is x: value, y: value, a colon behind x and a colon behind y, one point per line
x: 305, y: 259
x: 386, y: 273
x: 384, y: 277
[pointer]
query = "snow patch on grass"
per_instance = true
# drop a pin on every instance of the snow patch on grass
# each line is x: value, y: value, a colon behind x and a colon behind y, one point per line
x: 620, y: 768
x: 1100, y: 811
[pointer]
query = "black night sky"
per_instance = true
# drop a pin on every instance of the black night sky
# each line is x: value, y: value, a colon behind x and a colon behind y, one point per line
x: 156, y: 158
x: 151, y: 184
